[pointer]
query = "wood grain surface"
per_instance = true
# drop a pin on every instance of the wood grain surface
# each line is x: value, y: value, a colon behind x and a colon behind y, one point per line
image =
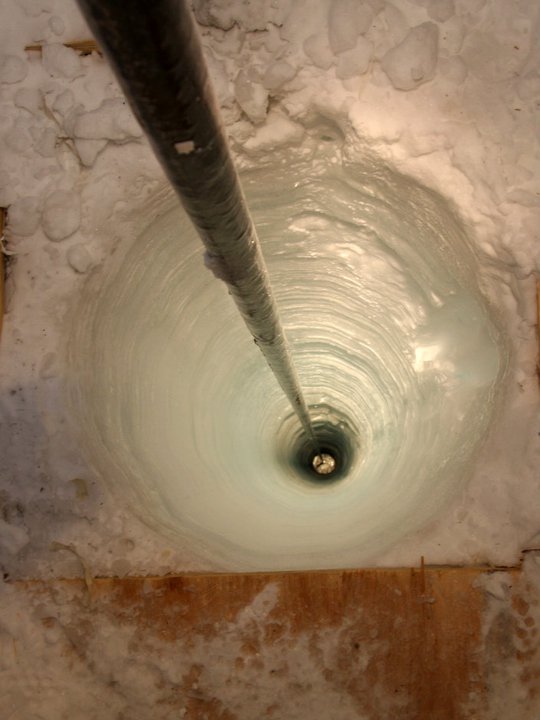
x: 405, y: 643
x: 2, y: 271
x: 84, y: 47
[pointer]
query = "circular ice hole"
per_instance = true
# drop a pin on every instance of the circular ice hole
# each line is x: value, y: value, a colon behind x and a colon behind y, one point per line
x: 189, y: 422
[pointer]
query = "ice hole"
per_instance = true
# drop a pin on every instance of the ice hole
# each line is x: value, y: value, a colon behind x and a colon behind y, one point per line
x: 399, y: 355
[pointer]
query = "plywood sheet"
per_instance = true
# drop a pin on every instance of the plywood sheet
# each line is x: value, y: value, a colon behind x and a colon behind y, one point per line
x: 379, y: 643
x: 2, y: 270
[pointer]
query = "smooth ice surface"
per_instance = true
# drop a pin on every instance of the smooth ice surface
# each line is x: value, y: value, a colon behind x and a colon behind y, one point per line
x: 391, y: 337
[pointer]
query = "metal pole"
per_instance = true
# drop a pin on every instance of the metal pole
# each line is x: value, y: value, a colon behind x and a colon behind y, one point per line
x: 155, y: 52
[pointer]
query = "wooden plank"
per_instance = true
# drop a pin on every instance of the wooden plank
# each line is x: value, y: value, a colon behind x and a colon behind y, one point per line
x: 2, y: 271
x: 401, y: 643
x: 538, y: 326
x: 84, y: 47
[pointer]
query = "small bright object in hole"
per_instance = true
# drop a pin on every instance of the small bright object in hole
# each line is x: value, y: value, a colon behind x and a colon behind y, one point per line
x: 323, y: 464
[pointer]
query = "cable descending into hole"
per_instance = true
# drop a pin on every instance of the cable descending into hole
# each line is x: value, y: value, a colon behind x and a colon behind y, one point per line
x: 155, y: 52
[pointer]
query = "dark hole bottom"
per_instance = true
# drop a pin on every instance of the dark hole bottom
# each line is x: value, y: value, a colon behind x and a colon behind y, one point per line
x: 332, y: 443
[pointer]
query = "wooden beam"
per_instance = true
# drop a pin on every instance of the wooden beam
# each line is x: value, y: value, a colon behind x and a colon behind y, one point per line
x: 538, y: 326
x: 390, y: 642
x: 84, y: 47
x: 2, y: 270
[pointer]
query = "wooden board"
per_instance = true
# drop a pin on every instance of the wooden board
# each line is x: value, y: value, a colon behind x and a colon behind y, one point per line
x: 538, y: 326
x: 405, y: 643
x: 84, y: 47
x: 2, y: 271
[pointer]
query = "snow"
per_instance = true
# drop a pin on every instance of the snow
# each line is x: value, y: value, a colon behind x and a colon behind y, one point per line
x: 414, y: 60
x: 12, y: 69
x: 61, y: 214
x: 112, y: 120
x: 252, y: 97
x: 29, y: 99
x: 352, y: 63
x: 24, y: 216
x: 277, y: 75
x: 342, y: 25
x: 317, y: 49
x: 60, y: 61
x: 80, y: 260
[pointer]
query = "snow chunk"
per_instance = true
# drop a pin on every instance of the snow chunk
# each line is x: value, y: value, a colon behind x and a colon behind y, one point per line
x: 12, y: 537
x: 7, y: 193
x: 112, y: 120
x: 47, y: 368
x: 57, y: 25
x: 61, y: 61
x: 88, y: 150
x: 452, y: 35
x: 498, y: 584
x: 18, y: 138
x: 61, y: 214
x: 529, y: 87
x: 278, y: 74
x: 388, y: 30
x: 342, y: 25
x: 44, y: 141
x: 64, y: 102
x: 216, y: 14
x: 12, y: 69
x: 365, y: 14
x: 318, y: 51
x: 33, y: 8
x: 251, y: 16
x: 79, y: 258
x: 453, y: 69
x: 278, y: 131
x: 414, y: 60
x: 24, y: 216
x: 356, y: 61
x: 220, y: 79
x: 28, y: 99
x: 441, y: 10
x: 252, y: 97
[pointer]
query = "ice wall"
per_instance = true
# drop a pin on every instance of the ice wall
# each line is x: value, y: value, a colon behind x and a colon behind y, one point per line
x: 395, y: 346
